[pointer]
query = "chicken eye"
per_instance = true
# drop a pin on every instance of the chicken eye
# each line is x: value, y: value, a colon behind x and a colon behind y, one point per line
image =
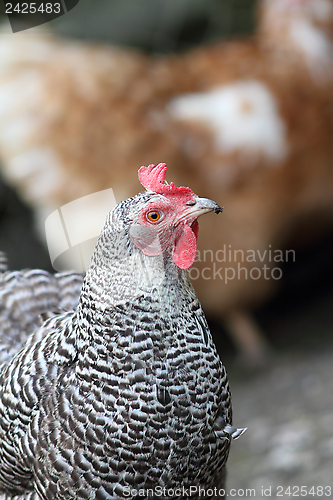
x: 153, y: 216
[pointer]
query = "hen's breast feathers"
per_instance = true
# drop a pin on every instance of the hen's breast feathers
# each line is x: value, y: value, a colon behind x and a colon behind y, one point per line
x: 162, y: 374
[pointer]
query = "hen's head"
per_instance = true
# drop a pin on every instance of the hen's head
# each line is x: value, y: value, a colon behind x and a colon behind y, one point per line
x: 164, y: 219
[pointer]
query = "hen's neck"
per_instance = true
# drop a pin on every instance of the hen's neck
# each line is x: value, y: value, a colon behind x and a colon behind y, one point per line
x: 109, y: 294
x: 133, y: 276
x: 140, y: 310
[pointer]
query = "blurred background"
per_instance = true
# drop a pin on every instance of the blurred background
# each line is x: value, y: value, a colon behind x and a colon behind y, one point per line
x: 113, y: 84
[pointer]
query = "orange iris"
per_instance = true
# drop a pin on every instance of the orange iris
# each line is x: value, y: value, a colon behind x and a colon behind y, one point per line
x: 153, y: 216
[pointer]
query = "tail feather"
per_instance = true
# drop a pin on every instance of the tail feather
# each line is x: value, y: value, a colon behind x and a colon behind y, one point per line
x: 25, y: 296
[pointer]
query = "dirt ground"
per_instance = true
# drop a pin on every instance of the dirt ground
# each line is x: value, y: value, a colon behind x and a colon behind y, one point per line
x: 288, y: 409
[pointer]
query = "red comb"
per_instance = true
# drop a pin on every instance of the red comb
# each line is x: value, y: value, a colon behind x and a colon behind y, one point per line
x: 153, y: 179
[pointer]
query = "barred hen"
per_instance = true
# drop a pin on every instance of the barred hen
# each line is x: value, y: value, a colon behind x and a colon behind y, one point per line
x: 126, y: 392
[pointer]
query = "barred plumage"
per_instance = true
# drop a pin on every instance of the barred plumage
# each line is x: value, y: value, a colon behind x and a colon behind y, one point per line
x: 126, y: 392
x: 3, y: 263
x: 26, y: 297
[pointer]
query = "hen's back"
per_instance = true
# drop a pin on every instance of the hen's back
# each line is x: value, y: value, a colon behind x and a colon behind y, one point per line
x: 27, y: 298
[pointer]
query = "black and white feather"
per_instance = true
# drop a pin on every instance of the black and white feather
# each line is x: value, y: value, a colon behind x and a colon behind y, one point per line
x: 119, y: 392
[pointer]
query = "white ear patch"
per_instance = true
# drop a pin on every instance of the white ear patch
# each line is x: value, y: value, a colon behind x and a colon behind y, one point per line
x: 243, y: 115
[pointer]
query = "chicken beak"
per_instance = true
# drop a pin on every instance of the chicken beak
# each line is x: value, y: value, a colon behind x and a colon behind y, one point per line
x: 198, y: 207
x: 204, y: 205
x: 186, y: 230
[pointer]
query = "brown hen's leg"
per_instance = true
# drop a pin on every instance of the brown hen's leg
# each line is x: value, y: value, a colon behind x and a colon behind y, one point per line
x: 249, y: 339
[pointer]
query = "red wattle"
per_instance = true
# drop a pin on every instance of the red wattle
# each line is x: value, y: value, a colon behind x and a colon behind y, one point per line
x: 185, y: 248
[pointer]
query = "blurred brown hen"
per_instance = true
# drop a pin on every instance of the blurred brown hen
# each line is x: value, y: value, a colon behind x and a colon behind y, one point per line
x: 249, y: 121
